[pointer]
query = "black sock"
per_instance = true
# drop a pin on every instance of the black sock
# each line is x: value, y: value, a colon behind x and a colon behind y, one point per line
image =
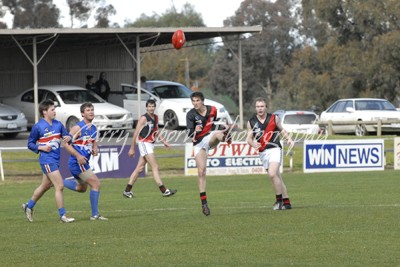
x: 286, y: 201
x: 279, y: 198
x: 162, y: 188
x: 128, y: 188
x: 203, y: 198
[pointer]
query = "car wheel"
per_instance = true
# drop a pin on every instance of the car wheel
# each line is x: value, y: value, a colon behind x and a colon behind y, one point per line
x: 71, y: 122
x: 361, y: 130
x: 10, y: 135
x: 171, y: 120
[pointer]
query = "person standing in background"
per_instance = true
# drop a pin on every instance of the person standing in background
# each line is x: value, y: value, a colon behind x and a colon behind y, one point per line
x: 103, y: 88
x: 143, y: 82
x: 90, y: 85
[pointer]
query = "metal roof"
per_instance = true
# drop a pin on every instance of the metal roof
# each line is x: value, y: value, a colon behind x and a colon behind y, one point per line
x: 111, y: 36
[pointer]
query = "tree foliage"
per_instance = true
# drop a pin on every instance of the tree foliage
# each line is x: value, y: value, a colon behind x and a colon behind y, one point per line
x: 80, y: 10
x: 171, y: 18
x: 33, y: 13
x: 264, y: 55
x: 359, y: 58
x: 44, y: 14
x: 102, y: 16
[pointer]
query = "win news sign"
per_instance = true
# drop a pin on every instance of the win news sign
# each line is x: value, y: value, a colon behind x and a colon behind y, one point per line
x: 238, y: 158
x: 343, y: 155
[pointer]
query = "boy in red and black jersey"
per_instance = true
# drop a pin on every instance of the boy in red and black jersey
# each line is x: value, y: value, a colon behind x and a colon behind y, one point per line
x: 205, y: 123
x: 146, y: 133
x: 263, y: 131
x: 200, y: 126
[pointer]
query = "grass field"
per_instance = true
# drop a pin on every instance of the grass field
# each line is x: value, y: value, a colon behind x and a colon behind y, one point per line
x: 338, y: 219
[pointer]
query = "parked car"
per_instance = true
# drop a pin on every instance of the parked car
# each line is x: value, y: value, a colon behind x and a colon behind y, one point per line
x: 299, y: 121
x: 173, y: 102
x: 361, y: 109
x: 68, y: 99
x: 12, y: 121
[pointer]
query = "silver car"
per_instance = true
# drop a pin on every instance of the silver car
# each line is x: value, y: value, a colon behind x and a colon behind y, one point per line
x: 299, y: 121
x: 68, y: 99
x: 12, y: 121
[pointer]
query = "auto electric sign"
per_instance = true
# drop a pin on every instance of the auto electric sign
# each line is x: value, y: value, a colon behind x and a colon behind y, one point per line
x: 237, y: 158
x: 343, y: 155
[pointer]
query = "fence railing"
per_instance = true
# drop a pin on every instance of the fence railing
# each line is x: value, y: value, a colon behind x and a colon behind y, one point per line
x: 380, y: 125
x: 12, y: 149
x: 14, y: 160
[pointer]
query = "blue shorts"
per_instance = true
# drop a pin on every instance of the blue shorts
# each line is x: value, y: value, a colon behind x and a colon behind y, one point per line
x: 77, y: 168
x: 50, y: 167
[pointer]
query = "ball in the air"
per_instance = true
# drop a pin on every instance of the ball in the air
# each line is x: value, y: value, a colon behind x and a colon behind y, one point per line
x: 178, y: 39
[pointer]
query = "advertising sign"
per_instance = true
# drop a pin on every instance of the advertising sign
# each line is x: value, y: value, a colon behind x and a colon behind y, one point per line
x: 111, y: 162
x: 343, y: 155
x: 238, y: 158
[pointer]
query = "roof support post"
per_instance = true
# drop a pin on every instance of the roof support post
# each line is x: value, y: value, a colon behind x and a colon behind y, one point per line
x: 240, y: 85
x: 35, y: 78
x: 139, y: 82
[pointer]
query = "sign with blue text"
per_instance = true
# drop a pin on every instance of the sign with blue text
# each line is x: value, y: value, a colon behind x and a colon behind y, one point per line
x: 343, y: 155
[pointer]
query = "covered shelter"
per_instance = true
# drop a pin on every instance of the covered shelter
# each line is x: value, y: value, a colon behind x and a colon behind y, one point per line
x: 65, y: 56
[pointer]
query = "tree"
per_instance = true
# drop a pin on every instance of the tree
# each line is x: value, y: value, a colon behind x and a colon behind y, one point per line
x: 2, y: 12
x: 80, y: 10
x: 264, y: 55
x: 171, y: 18
x: 358, y: 57
x: 102, y: 14
x: 33, y: 13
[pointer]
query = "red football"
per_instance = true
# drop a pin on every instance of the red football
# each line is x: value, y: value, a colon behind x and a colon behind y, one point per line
x: 178, y: 39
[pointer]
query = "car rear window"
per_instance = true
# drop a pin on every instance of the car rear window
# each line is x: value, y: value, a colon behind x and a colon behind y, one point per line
x: 172, y: 91
x: 79, y: 97
x: 299, y: 119
x: 374, y: 105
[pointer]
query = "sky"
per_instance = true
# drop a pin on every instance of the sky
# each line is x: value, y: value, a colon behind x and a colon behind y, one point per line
x: 213, y: 11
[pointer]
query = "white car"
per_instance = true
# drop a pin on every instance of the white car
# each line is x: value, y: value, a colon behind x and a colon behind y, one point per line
x: 68, y: 99
x: 173, y: 102
x: 361, y: 109
x: 298, y: 121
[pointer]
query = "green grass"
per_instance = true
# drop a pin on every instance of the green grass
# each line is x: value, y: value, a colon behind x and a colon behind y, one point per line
x: 349, y: 219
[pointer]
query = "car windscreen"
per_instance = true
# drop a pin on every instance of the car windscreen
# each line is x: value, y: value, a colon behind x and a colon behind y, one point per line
x: 172, y: 91
x: 79, y: 97
x: 374, y: 105
x: 299, y: 119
